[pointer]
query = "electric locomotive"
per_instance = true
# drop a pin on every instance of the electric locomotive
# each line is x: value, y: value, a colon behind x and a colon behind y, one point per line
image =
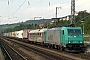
x: 72, y: 38
x: 65, y: 38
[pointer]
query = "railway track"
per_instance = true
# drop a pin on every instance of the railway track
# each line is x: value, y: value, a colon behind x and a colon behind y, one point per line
x: 46, y: 56
x: 12, y: 53
x: 35, y: 56
x: 50, y: 53
x: 5, y: 53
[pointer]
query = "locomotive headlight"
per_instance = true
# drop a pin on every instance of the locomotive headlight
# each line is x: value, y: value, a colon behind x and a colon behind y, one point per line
x: 74, y: 36
x: 81, y: 42
x: 69, y: 41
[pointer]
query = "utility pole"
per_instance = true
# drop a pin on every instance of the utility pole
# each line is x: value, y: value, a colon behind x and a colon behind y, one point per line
x: 56, y: 14
x: 73, y: 12
x: 56, y: 10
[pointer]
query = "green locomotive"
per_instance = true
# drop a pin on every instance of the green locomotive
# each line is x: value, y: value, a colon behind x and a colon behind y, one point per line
x: 66, y: 38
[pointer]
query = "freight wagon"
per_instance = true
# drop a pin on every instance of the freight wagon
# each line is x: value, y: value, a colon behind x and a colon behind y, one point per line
x: 26, y: 34
x: 19, y: 34
x: 37, y: 36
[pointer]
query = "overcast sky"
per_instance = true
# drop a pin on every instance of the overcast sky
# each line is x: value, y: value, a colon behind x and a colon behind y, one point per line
x: 13, y: 11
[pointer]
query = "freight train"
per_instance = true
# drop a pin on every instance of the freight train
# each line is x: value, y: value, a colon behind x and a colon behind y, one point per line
x: 64, y: 38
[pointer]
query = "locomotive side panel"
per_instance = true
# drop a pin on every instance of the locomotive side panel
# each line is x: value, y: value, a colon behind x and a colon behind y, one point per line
x: 52, y: 37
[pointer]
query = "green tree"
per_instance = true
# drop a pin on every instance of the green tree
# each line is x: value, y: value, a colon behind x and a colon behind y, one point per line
x: 81, y: 15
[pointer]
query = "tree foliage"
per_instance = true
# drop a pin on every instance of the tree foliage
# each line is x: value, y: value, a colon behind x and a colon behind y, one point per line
x: 83, y: 20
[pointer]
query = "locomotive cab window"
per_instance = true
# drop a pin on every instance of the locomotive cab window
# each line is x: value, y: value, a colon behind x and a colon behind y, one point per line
x: 73, y: 31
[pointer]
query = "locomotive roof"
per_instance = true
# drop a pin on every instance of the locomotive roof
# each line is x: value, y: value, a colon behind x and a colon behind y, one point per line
x: 55, y: 28
x: 71, y: 27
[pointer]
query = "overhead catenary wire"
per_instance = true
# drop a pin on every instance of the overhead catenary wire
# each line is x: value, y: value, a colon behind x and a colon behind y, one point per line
x: 54, y: 9
x: 26, y: 8
x: 29, y: 3
x: 35, y: 3
x: 51, y: 10
x: 19, y: 7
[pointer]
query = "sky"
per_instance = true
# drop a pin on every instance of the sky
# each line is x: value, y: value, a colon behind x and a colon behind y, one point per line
x: 14, y: 11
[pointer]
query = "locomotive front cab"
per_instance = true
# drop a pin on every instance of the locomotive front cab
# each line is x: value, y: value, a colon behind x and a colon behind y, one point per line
x: 75, y: 39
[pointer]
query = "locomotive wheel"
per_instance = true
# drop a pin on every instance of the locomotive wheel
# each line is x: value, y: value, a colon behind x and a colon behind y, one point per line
x: 62, y: 48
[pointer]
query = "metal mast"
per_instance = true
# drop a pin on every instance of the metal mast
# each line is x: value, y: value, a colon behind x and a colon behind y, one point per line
x: 72, y: 11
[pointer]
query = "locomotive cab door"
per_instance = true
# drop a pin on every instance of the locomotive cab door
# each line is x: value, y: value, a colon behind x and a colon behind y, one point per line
x: 62, y: 38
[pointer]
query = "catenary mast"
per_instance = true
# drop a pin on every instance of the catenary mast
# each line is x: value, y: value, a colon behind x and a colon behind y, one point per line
x: 73, y: 12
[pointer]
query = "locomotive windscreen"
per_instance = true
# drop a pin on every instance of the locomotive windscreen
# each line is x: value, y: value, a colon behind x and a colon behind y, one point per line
x: 74, y: 31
